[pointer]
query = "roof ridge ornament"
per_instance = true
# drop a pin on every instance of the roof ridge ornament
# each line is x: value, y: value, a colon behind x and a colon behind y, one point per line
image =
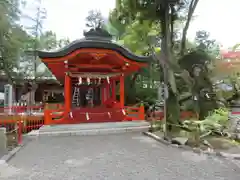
x: 98, y: 33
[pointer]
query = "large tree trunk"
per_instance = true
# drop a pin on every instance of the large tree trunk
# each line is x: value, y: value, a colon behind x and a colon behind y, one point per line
x: 171, y: 102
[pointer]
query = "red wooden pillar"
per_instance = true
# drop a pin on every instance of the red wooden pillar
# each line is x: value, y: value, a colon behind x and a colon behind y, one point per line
x: 108, y: 90
x: 122, y: 94
x: 102, y: 94
x: 141, y: 112
x: 113, y: 89
x: 68, y: 93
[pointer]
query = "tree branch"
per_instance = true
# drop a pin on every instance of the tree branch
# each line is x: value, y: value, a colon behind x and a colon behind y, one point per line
x: 191, y: 10
x: 6, y: 71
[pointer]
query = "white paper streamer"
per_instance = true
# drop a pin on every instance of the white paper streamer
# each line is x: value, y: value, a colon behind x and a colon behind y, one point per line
x: 123, y: 111
x: 88, y: 81
x: 108, y: 80
x: 99, y: 80
x: 109, y: 115
x: 87, y: 116
x: 80, y: 80
x: 71, y: 115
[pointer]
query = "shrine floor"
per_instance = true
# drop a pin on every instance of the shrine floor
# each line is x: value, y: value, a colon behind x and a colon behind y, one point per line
x: 95, y: 128
x: 114, y: 157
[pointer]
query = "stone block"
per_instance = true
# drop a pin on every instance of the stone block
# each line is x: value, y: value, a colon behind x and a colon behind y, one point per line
x: 3, y: 140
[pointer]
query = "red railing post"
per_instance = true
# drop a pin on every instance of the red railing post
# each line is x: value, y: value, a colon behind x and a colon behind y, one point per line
x: 19, y: 131
x: 47, y: 117
x: 141, y: 112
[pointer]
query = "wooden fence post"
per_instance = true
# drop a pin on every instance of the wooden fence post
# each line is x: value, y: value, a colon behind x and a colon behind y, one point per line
x: 19, y: 130
x: 141, y: 112
x: 47, y: 117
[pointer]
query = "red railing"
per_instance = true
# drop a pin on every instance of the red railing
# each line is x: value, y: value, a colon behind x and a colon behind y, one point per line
x: 21, y: 119
x: 183, y: 115
x: 51, y: 115
x: 135, y: 113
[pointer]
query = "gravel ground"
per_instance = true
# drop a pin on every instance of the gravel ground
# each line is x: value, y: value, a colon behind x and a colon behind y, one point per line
x: 127, y: 156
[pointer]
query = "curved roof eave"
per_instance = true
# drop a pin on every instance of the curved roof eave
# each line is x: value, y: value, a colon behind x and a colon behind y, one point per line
x: 98, y: 44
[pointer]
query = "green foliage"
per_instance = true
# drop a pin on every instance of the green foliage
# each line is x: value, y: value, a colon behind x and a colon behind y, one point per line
x: 197, y: 57
x: 116, y: 27
x: 216, y: 122
x: 205, y: 43
x: 46, y: 41
x: 16, y: 40
x: 12, y: 36
x: 143, y: 20
x: 137, y: 36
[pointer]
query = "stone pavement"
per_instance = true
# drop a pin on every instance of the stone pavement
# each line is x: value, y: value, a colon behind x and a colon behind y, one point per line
x: 126, y: 156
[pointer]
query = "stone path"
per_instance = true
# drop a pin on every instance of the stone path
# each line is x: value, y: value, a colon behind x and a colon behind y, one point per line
x: 126, y: 156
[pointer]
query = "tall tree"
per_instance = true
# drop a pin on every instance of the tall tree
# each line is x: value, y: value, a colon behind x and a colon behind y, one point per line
x: 205, y: 43
x: 12, y: 37
x: 94, y: 19
x: 46, y: 41
x: 35, y: 31
x: 167, y: 14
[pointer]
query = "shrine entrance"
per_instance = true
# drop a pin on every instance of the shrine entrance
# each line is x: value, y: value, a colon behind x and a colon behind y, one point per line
x: 92, y: 71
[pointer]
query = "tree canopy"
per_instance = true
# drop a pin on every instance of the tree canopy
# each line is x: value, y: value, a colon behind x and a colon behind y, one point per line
x: 16, y: 40
x: 160, y: 28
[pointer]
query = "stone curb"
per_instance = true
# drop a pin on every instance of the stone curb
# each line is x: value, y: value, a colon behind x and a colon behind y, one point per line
x: 7, y: 157
x: 94, y: 131
x: 195, y: 150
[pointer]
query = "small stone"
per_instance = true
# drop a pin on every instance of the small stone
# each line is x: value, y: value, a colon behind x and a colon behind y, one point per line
x: 197, y: 150
x: 226, y: 155
x: 206, y: 143
x: 180, y: 140
x: 2, y: 162
x: 237, y: 156
x: 175, y: 145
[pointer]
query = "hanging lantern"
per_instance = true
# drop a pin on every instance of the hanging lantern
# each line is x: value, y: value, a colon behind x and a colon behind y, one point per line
x: 108, y: 80
x: 87, y: 116
x: 71, y: 115
x: 79, y: 80
x: 109, y: 115
x: 123, y: 111
x: 88, y: 80
x: 52, y: 94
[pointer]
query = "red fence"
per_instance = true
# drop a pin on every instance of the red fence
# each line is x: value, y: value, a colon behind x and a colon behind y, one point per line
x: 135, y: 113
x: 21, y: 119
x: 159, y: 115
